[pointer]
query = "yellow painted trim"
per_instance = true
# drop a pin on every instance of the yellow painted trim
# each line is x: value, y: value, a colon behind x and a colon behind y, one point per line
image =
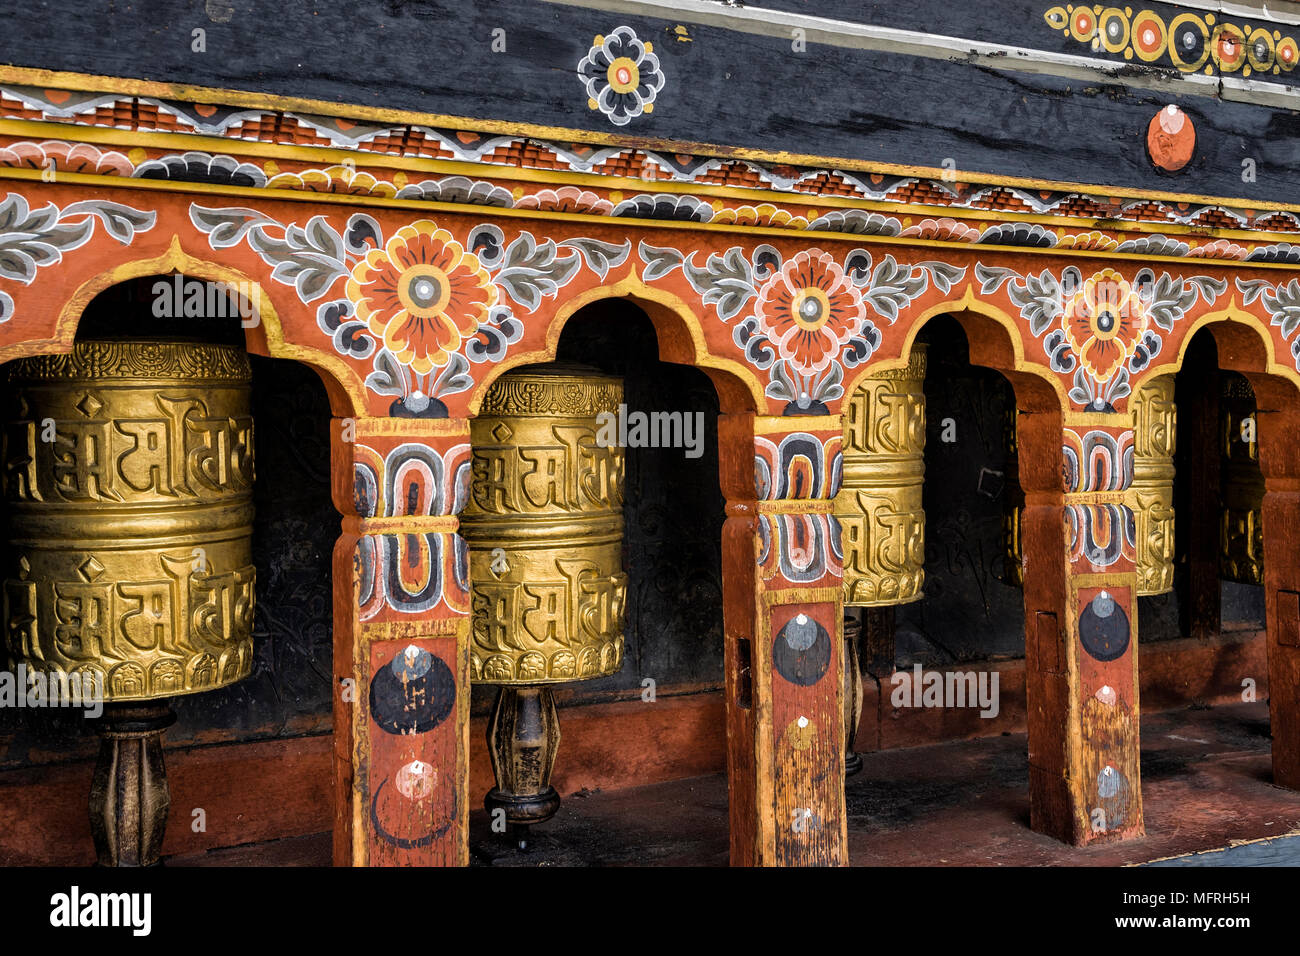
x: 633, y: 289
x: 1102, y: 579
x: 968, y: 302
x: 501, y: 174
x: 1092, y: 420
x: 175, y: 259
x: 1096, y: 497
x: 189, y: 93
x: 797, y: 506
x: 489, y: 212
x: 784, y: 424
x: 423, y: 428
x: 401, y: 524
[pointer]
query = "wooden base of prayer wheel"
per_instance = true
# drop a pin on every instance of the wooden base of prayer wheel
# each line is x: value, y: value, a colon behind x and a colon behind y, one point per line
x: 129, y: 797
x: 852, y: 693
x: 523, y: 737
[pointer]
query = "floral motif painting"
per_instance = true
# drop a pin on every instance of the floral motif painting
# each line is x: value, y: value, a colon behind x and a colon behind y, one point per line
x: 807, y: 317
x: 1101, y: 327
x: 422, y: 305
x: 622, y: 76
x: 31, y: 239
x: 1282, y: 301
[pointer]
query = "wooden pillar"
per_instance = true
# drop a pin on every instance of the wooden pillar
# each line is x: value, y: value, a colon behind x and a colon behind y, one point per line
x: 1278, y: 431
x: 1081, y: 628
x: 401, y: 642
x: 782, y: 573
x: 879, y: 642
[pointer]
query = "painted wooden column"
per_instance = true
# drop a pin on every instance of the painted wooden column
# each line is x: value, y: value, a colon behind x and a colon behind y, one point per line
x: 1081, y: 630
x: 401, y: 642
x: 1278, y: 427
x: 782, y: 571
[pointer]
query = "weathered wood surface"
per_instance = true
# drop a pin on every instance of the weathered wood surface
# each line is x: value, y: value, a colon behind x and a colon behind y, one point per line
x: 723, y: 86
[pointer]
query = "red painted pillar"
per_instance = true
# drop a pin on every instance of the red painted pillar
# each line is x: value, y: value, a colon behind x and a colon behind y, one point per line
x: 1081, y: 629
x: 1278, y: 428
x: 782, y: 572
x: 401, y: 643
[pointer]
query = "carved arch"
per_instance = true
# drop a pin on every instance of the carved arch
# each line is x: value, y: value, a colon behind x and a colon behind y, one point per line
x: 266, y: 338
x: 1244, y: 345
x: 995, y: 342
x: 678, y: 329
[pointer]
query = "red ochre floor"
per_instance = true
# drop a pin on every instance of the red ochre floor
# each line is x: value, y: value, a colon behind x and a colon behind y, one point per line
x: 1205, y: 778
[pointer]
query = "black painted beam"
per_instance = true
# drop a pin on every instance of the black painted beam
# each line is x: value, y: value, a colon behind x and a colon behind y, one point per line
x: 721, y: 86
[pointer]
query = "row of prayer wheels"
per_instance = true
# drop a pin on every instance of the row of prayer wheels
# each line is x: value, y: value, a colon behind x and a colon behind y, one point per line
x: 128, y: 478
x: 129, y: 571
x: 1151, y: 494
x: 546, y: 501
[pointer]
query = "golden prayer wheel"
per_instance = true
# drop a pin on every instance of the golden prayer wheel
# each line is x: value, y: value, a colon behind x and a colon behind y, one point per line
x: 128, y: 481
x: 129, y: 574
x: 879, y: 506
x: 1151, y: 495
x: 880, y: 512
x: 545, y: 526
x: 545, y: 521
x: 1241, y: 484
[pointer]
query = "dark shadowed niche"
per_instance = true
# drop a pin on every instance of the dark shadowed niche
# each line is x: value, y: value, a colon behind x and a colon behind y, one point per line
x: 970, y: 610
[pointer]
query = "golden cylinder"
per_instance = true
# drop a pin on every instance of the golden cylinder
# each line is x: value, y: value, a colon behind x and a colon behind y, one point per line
x: 544, y: 523
x: 128, y: 478
x: 1241, y: 484
x: 1151, y: 495
x: 879, y: 506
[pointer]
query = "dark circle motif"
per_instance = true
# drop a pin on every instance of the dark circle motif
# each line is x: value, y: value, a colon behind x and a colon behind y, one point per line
x: 425, y: 291
x: 801, y: 651
x: 413, y: 695
x: 1104, y: 628
x: 409, y: 843
x: 1106, y: 321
